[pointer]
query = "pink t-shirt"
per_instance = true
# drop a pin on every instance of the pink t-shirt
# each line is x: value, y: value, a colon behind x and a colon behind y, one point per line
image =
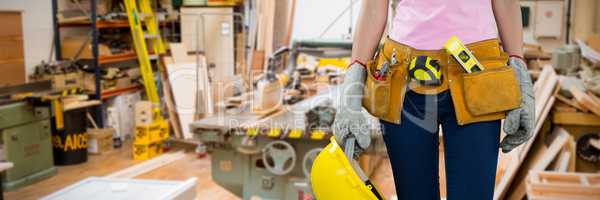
x: 428, y: 24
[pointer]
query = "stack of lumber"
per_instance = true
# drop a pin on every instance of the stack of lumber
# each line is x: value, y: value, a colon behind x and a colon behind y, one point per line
x: 558, y: 154
x: 187, y: 89
x: 577, y: 106
x: 544, y: 88
x: 545, y: 166
x: 270, y: 29
x: 543, y: 185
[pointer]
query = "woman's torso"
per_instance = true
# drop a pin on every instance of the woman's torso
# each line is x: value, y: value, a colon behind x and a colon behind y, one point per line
x: 428, y: 24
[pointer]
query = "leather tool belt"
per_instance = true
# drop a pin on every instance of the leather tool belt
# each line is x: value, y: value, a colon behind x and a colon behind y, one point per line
x: 478, y: 96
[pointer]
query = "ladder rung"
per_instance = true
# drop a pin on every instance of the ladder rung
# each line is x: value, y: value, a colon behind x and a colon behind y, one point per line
x: 149, y: 35
x: 145, y: 15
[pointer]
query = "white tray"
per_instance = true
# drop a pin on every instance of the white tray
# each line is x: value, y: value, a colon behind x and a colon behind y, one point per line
x: 96, y: 188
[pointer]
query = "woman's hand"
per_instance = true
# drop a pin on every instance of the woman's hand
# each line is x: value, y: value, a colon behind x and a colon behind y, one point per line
x: 349, y: 118
x: 520, y: 122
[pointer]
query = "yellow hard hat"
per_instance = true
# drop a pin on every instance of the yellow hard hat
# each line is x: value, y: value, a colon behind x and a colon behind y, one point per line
x: 333, y: 176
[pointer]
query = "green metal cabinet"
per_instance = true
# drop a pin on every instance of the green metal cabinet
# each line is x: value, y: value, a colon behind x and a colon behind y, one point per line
x: 26, y: 142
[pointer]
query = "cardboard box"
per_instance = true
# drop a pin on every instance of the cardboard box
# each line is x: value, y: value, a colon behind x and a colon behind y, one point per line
x: 71, y: 45
x: 73, y: 80
x: 100, y: 140
x: 143, y: 113
x: 61, y: 82
x: 123, y: 82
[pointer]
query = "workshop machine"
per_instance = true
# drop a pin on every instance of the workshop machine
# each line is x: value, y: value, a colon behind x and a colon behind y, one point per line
x: 25, y: 130
x: 269, y: 156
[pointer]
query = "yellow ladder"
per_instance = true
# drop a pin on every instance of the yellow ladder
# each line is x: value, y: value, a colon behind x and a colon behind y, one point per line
x: 139, y: 19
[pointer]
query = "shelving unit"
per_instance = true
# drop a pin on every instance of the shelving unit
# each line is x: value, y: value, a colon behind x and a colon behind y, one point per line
x: 95, y: 58
x: 97, y: 61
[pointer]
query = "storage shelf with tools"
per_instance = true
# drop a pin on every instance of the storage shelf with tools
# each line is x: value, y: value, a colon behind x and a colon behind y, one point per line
x: 97, y: 57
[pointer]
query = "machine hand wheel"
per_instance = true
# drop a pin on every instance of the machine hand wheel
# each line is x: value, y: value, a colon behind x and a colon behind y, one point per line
x: 308, y: 160
x: 279, y: 157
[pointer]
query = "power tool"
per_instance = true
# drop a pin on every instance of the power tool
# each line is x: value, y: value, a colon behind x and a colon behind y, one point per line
x: 268, y: 93
x: 462, y: 55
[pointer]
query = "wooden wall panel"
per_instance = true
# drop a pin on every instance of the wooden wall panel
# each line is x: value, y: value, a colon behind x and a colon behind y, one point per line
x: 12, y: 66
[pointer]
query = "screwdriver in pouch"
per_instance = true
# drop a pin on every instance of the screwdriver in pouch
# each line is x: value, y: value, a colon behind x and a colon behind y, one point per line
x: 380, y: 74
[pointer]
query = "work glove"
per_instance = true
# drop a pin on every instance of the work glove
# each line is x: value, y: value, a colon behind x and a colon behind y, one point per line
x: 349, y: 120
x: 519, y: 123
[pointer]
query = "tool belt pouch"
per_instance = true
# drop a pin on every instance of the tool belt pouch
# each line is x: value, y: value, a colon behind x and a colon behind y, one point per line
x: 376, y: 97
x: 491, y: 91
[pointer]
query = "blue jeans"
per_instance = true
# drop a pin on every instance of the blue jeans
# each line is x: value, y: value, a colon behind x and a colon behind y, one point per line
x: 471, y: 151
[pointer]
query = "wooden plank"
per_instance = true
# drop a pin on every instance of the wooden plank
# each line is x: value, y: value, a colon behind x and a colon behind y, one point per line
x: 81, y: 104
x: 562, y: 162
x: 170, y: 102
x: 540, y: 160
x: 179, y: 52
x: 570, y: 102
x: 585, y: 101
x: 595, y: 98
x: 281, y: 17
x: 251, y: 45
x: 570, y: 147
x: 187, y: 88
x: 290, y: 23
x: 560, y: 106
x: 546, y: 72
x: 261, y: 28
x: 575, y: 118
x: 544, y: 185
x: 269, y: 17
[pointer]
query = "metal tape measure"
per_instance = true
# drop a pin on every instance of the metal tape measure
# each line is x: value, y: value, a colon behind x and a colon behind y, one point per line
x: 425, y: 71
